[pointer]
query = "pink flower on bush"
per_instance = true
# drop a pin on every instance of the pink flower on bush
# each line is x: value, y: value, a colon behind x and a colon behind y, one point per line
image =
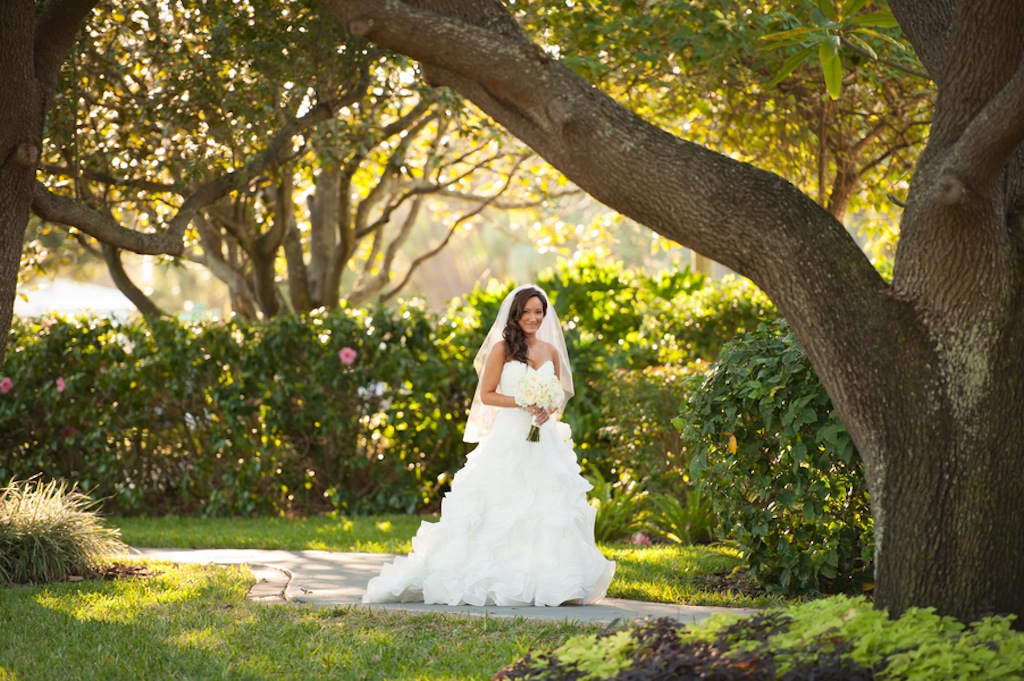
x: 6, y: 384
x: 640, y: 539
x: 61, y: 384
x: 69, y: 431
x: 347, y: 355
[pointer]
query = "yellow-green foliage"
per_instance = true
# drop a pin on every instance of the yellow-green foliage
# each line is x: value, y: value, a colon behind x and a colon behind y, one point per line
x: 819, y: 638
x: 598, y: 659
x: 918, y: 646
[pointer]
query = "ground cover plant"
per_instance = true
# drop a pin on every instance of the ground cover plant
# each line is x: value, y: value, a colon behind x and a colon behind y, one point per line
x: 193, y: 622
x: 834, y: 639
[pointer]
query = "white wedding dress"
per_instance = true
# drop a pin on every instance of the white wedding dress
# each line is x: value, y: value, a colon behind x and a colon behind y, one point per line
x: 515, y: 529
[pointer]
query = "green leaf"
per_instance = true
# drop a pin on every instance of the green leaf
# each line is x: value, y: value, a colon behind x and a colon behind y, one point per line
x: 880, y: 36
x: 791, y: 65
x: 852, y: 7
x: 832, y: 67
x: 827, y: 8
x: 877, y: 19
x: 792, y: 33
x: 863, y: 44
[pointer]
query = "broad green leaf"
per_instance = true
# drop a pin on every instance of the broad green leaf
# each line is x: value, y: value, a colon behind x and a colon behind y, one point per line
x: 832, y: 67
x: 791, y: 64
x: 792, y: 33
x: 852, y: 7
x: 878, y: 19
x: 827, y: 8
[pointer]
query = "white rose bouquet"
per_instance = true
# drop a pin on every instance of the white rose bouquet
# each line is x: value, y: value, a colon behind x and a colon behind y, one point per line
x: 538, y: 390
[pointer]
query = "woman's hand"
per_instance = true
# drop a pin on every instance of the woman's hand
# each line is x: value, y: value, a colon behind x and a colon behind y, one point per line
x: 540, y: 416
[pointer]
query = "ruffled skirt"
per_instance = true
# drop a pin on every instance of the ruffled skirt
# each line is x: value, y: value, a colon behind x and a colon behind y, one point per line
x: 515, y: 529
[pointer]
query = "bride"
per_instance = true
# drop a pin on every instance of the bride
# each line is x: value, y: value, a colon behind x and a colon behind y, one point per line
x: 516, y: 528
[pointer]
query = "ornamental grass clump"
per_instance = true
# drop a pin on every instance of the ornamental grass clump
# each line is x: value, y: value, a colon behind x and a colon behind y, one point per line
x: 49, y: 532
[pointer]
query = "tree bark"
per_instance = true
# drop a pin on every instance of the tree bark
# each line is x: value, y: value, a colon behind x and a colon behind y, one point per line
x: 149, y: 309
x: 20, y: 140
x: 32, y: 49
x: 927, y: 374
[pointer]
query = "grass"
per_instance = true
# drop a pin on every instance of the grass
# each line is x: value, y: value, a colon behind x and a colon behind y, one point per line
x: 669, y: 573
x: 193, y: 622
x: 360, y: 534
x: 665, y: 573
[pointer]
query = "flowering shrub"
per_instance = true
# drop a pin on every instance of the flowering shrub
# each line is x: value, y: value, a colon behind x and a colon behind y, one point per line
x: 236, y: 417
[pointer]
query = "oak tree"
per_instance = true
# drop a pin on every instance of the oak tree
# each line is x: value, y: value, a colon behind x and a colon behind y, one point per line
x: 926, y: 372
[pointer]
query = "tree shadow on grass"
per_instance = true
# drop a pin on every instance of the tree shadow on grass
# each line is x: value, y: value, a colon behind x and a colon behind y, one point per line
x: 120, y: 629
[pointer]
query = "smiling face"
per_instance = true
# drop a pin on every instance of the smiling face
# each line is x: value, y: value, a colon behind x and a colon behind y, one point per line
x: 532, y: 315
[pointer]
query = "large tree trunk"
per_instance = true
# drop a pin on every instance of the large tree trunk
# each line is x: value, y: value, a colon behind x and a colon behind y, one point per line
x: 20, y: 131
x: 928, y: 373
x: 34, y: 42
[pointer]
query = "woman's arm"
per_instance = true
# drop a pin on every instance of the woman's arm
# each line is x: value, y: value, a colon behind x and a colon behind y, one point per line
x: 492, y: 374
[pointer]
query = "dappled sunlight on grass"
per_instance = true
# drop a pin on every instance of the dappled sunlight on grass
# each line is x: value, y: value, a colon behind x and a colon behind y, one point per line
x: 669, y: 573
x: 192, y: 621
x: 124, y: 600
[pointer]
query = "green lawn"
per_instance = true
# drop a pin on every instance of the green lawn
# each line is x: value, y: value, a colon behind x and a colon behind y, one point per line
x: 665, y: 573
x: 193, y: 622
x: 369, y: 534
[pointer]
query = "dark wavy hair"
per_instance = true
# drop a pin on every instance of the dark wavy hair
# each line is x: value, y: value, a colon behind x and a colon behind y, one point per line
x: 515, y: 339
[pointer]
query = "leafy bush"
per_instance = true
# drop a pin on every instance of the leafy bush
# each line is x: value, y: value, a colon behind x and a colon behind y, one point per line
x: 779, y: 467
x: 834, y: 638
x: 638, y: 407
x: 239, y: 418
x: 49, y: 532
x: 692, y: 521
x: 620, y: 507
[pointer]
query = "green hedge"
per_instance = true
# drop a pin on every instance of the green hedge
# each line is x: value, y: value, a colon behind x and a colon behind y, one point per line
x: 250, y: 418
x: 237, y: 417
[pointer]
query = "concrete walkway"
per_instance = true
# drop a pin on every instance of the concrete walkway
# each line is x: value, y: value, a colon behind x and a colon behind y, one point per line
x: 324, y: 578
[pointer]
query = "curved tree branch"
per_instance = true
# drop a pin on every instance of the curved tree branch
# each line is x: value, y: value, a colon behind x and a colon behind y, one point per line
x: 149, y: 309
x: 982, y: 151
x: 65, y: 211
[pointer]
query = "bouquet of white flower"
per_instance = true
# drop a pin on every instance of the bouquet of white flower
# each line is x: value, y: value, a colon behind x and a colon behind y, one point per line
x: 538, y: 390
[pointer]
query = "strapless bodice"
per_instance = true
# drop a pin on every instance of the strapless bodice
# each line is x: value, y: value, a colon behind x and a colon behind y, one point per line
x: 514, y: 371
